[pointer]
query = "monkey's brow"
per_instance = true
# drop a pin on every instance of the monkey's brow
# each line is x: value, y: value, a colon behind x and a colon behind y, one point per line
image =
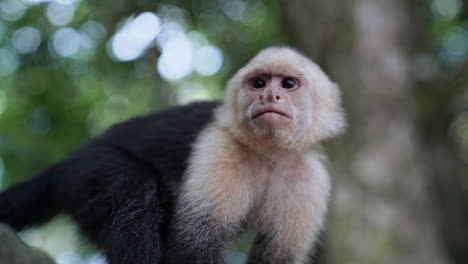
x: 265, y: 73
x: 258, y: 73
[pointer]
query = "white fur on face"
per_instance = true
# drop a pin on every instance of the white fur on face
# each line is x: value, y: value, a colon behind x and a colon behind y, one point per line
x: 317, y: 112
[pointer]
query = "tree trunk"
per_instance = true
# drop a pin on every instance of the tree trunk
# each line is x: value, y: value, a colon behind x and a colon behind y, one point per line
x: 382, y: 210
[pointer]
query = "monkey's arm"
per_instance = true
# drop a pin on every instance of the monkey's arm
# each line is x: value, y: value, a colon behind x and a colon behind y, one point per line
x: 215, y: 199
x: 269, y: 248
x: 200, y: 231
x: 201, y: 240
x: 293, y: 223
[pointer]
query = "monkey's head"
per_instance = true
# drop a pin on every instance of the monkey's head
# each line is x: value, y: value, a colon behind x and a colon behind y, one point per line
x: 284, y: 98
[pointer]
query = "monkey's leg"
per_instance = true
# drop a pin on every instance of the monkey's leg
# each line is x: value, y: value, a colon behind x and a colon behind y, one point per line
x: 200, y: 230
x: 264, y: 251
x: 268, y: 249
x: 116, y: 202
x: 199, y: 241
x: 133, y: 234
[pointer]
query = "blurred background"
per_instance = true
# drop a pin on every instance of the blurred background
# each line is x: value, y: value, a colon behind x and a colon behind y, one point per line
x: 71, y: 68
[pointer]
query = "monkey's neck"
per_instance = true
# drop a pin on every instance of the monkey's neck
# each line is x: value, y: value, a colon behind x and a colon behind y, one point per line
x: 264, y: 149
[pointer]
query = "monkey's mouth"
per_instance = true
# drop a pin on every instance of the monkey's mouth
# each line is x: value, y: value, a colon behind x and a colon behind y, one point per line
x: 267, y: 111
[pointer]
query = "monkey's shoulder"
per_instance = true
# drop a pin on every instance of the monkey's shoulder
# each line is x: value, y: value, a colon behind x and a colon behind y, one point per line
x: 175, y: 119
x: 163, y: 137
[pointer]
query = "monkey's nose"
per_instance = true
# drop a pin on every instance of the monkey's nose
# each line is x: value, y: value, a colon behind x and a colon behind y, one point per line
x: 274, y: 98
x: 271, y: 97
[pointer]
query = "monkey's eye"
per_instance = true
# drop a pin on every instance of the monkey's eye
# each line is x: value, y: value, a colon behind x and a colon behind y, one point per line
x: 288, y: 83
x: 258, y: 83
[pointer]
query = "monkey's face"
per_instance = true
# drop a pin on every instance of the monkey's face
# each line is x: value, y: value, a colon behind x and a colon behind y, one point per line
x: 272, y: 101
x: 268, y: 100
x: 282, y: 95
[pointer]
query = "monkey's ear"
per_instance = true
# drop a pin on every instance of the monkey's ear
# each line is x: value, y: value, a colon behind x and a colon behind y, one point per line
x: 328, y: 118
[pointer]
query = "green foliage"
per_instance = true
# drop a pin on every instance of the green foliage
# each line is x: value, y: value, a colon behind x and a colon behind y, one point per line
x: 52, y: 103
x: 57, y: 92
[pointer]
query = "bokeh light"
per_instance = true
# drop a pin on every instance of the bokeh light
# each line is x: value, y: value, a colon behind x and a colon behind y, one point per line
x: 36, y: 2
x: 92, y: 33
x: 60, y: 14
x: 208, y: 60
x: 26, y: 40
x: 97, y: 258
x: 135, y: 36
x: 67, y: 2
x: 234, y: 9
x: 175, y: 61
x: 169, y: 31
x: 12, y: 10
x: 64, y: 251
x: 446, y: 8
x: 182, y: 53
x: 66, y: 42
x: 455, y: 46
x: 9, y: 61
x: 197, y: 38
x: 171, y: 13
x: 69, y: 257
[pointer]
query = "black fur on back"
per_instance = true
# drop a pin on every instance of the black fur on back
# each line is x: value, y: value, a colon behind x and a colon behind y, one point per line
x: 120, y: 187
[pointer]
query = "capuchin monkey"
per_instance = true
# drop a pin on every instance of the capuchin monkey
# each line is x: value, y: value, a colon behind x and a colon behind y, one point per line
x: 177, y: 186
